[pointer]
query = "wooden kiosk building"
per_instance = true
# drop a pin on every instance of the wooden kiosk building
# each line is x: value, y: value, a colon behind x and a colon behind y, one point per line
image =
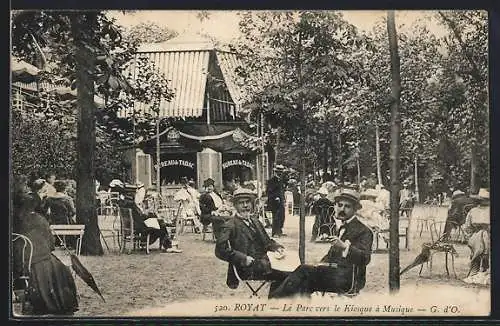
x: 211, y: 139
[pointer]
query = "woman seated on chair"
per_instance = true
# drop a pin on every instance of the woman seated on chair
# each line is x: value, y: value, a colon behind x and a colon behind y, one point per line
x: 52, y: 289
x: 320, y: 210
x: 61, y: 209
x: 128, y: 200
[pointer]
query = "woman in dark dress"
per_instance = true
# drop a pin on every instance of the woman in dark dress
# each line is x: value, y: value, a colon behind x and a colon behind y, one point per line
x: 52, y: 289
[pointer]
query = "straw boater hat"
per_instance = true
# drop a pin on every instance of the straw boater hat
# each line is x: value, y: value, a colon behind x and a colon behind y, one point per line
x: 243, y: 192
x: 350, y: 195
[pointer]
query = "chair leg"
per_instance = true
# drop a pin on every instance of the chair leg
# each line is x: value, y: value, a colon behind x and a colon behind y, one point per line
x: 147, y: 243
x: 446, y: 263
x: 453, y: 265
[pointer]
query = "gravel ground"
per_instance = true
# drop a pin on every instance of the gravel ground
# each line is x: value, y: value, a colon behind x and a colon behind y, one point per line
x: 134, y: 283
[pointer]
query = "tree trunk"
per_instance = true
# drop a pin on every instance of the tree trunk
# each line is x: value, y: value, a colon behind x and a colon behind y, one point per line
x: 358, y: 168
x: 333, y: 155
x: 340, y: 161
x: 325, y: 159
x: 395, y: 159
x: 277, y: 146
x: 86, y: 197
x: 473, y: 167
x: 417, y: 190
x: 302, y: 218
x: 377, y: 150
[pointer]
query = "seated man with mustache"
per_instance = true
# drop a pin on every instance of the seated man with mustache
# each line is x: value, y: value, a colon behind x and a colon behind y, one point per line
x: 349, y: 254
x: 244, y: 243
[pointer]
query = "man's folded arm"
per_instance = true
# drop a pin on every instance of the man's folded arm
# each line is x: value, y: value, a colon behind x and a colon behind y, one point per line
x: 360, y: 252
x: 223, y: 249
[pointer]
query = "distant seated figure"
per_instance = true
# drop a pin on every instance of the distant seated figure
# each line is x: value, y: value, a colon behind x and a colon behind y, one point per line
x: 128, y: 201
x: 61, y: 206
x: 210, y: 202
x: 320, y: 209
x: 244, y: 243
x: 459, y: 207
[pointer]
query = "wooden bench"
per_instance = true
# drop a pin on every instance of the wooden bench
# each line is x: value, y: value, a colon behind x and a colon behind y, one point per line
x: 72, y: 230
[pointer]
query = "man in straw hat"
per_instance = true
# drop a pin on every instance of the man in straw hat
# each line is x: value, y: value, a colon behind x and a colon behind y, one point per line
x: 244, y: 243
x: 348, y: 256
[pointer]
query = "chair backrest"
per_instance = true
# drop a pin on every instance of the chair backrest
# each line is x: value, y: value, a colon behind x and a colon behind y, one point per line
x: 436, y: 229
x: 26, y: 254
x: 327, y: 214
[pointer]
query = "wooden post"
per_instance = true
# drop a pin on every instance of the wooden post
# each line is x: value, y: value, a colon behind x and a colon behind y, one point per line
x: 158, y: 168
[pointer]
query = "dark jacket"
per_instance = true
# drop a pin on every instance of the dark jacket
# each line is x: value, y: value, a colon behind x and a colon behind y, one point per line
x: 207, y: 206
x: 459, y: 208
x: 62, y: 209
x: 236, y: 241
x: 275, y: 193
x: 361, y: 238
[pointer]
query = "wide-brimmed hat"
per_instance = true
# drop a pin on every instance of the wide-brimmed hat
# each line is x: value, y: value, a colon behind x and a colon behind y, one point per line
x: 350, y: 195
x: 116, y: 183
x: 482, y: 194
x: 323, y: 191
x: 279, y: 167
x: 457, y: 193
x: 243, y: 192
x: 209, y: 182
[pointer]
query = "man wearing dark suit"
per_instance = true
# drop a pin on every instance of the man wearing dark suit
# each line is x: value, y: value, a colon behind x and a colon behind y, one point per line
x: 244, y: 243
x: 210, y: 201
x: 349, y: 254
x: 276, y: 201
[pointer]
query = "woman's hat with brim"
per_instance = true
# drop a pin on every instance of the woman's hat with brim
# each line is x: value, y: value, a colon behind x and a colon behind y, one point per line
x: 209, y: 182
x: 243, y: 192
x: 323, y: 191
x: 457, y: 193
x: 483, y: 194
x: 350, y: 195
x: 116, y: 183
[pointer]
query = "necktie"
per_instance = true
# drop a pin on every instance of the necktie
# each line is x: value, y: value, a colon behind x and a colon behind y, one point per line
x: 341, y: 230
x: 250, y: 225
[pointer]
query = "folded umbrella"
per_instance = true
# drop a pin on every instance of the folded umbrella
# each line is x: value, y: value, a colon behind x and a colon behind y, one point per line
x: 81, y: 271
x: 422, y: 258
x: 84, y: 274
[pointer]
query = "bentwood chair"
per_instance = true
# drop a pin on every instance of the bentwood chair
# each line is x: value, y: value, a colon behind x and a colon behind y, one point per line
x: 21, y: 286
x: 129, y: 234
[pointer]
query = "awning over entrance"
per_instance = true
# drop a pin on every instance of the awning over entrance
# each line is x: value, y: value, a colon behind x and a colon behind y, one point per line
x: 224, y: 138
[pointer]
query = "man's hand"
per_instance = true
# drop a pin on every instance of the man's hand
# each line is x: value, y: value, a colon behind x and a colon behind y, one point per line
x: 338, y: 244
x: 249, y: 261
x: 281, y: 253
